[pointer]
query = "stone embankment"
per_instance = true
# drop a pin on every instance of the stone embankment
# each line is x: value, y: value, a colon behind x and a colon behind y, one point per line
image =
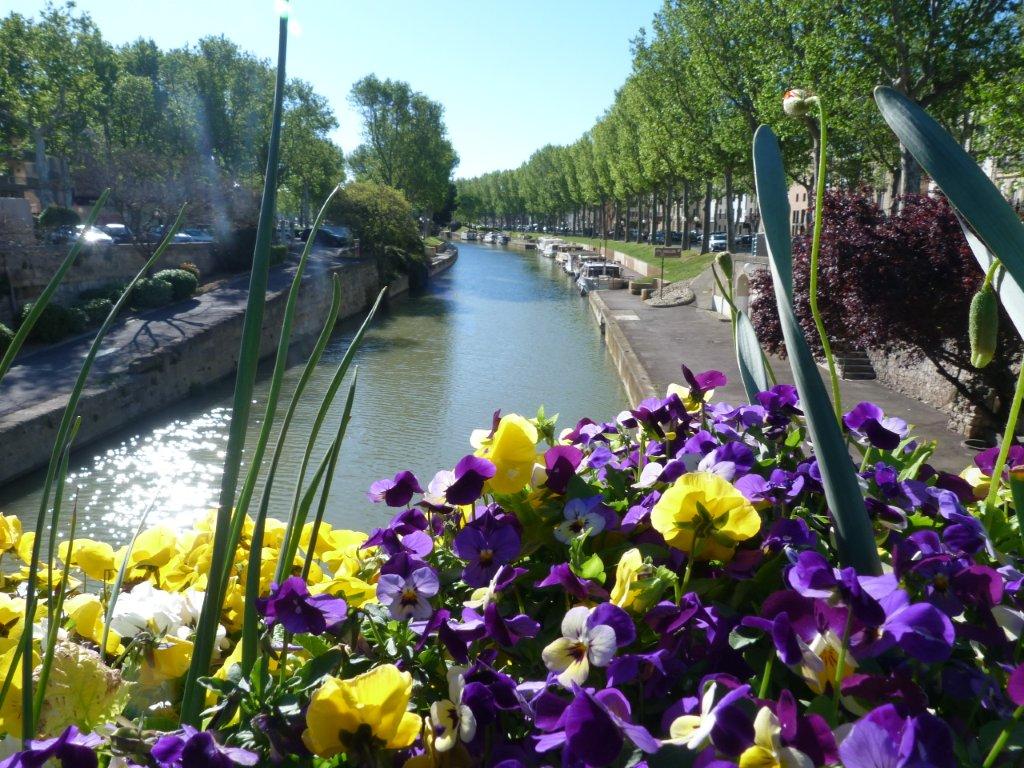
x: 153, y: 360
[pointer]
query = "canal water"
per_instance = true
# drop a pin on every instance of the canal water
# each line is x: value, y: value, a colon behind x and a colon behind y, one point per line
x: 502, y: 329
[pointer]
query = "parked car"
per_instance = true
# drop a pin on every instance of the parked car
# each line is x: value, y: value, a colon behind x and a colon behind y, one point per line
x: 120, y: 233
x: 199, y: 234
x: 156, y: 234
x: 328, y: 236
x: 745, y: 241
x: 93, y: 235
x: 717, y: 241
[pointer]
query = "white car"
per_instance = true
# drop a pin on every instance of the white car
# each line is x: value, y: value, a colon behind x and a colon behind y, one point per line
x: 717, y: 241
x: 94, y: 235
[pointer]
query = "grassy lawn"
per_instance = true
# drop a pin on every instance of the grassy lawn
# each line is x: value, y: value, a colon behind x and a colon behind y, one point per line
x: 686, y: 267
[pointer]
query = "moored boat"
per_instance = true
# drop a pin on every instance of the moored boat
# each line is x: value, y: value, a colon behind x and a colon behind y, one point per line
x: 599, y: 276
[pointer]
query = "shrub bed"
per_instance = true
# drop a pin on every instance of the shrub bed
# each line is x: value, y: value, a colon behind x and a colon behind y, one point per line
x: 55, y: 323
x: 183, y: 283
x: 659, y: 589
x: 151, y: 292
x: 96, y: 310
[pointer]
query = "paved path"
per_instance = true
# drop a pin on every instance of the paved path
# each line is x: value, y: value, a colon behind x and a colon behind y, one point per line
x: 51, y: 371
x: 662, y: 338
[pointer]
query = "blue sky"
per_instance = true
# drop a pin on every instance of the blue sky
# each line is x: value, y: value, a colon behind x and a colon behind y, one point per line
x: 512, y: 76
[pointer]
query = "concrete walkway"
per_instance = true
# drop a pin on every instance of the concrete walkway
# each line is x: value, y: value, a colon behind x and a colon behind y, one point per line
x: 663, y: 338
x: 50, y: 372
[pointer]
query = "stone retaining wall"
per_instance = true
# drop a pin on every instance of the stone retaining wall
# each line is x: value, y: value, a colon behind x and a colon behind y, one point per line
x: 634, y: 376
x: 174, y: 371
x: 916, y: 376
x: 26, y: 269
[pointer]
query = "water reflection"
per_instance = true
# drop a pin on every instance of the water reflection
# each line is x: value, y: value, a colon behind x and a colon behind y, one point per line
x: 501, y: 330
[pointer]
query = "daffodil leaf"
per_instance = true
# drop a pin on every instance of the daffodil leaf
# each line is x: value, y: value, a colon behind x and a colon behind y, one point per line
x: 854, y: 535
x: 750, y: 358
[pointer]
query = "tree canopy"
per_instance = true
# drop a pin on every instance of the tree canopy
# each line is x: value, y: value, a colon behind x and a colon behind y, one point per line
x: 707, y: 72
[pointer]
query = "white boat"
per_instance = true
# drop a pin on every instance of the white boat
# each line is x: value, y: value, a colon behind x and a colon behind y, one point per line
x: 500, y: 238
x: 489, y: 237
x: 599, y: 276
x: 550, y: 247
x: 468, y: 234
x: 574, y: 260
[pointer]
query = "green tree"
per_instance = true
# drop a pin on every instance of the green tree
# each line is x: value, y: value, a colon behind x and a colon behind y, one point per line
x: 405, y: 142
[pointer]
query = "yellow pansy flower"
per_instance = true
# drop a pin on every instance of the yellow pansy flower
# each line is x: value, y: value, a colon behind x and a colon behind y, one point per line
x: 702, y: 510
x: 361, y: 715
x: 12, y: 619
x: 767, y: 750
x: 629, y: 567
x: 10, y: 710
x: 169, y: 660
x: 24, y: 547
x: 513, y: 451
x: 154, y: 548
x: 10, y: 532
x: 95, y: 558
x: 86, y: 611
x: 356, y: 591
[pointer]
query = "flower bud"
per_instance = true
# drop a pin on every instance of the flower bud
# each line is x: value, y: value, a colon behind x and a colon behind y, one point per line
x: 983, y: 326
x: 724, y: 260
x: 797, y: 102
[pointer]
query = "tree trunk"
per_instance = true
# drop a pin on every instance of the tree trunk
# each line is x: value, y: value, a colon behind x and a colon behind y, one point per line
x: 705, y: 235
x: 615, y: 221
x: 685, y: 219
x: 42, y: 168
x: 654, y: 216
x: 910, y: 173
x: 730, y: 230
x: 666, y: 224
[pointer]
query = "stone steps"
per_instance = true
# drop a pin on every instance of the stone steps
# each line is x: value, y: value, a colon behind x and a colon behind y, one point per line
x: 854, y: 365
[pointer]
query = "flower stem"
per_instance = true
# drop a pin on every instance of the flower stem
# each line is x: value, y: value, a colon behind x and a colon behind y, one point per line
x: 841, y: 665
x: 1004, y: 736
x: 689, y: 565
x: 762, y: 692
x: 819, y: 202
x: 1008, y: 436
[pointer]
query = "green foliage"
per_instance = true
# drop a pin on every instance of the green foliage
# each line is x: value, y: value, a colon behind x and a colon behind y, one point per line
x: 151, y: 292
x: 183, y: 283
x: 188, y: 266
x: 58, y: 216
x: 234, y: 249
x: 96, y: 309
x: 406, y: 144
x: 55, y: 323
x: 111, y: 291
x: 278, y: 253
x: 379, y: 215
x: 6, y: 337
x: 158, y: 126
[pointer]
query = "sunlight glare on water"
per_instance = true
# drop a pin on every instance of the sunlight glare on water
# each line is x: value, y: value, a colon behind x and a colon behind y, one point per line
x: 500, y: 330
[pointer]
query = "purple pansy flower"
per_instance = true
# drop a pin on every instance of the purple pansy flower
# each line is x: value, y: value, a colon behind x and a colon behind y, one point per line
x: 870, y: 425
x: 561, y: 462
x: 408, y: 596
x: 486, y: 545
x: 592, y: 728
x: 561, y: 575
x: 72, y: 748
x: 587, y: 516
x: 198, y: 749
x: 291, y: 606
x: 885, y: 739
x: 468, y: 478
x: 396, y: 491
